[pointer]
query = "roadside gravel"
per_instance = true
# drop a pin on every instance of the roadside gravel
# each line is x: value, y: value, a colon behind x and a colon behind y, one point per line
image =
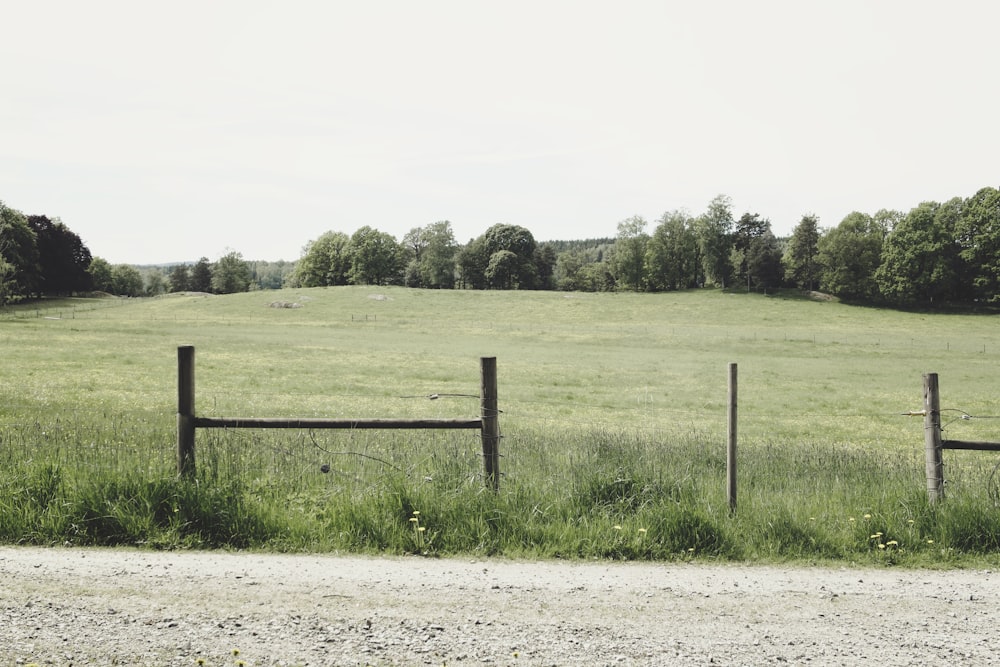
x: 65, y: 606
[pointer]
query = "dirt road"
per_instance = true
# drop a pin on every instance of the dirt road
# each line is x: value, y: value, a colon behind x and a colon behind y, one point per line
x: 103, y: 607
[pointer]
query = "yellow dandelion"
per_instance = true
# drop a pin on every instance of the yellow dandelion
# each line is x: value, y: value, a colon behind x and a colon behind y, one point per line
x: 414, y: 519
x: 892, y: 543
x: 200, y: 661
x: 421, y: 529
x: 868, y: 516
x: 930, y: 541
x: 416, y: 512
x: 850, y: 518
x: 691, y: 549
x: 875, y: 536
x: 881, y: 546
x: 812, y: 518
x: 642, y: 530
x: 910, y: 521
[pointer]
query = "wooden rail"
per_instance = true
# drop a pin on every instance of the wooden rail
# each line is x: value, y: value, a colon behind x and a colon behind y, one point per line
x: 187, y: 422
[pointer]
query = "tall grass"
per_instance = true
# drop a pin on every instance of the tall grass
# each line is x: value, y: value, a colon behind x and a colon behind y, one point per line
x: 613, y: 421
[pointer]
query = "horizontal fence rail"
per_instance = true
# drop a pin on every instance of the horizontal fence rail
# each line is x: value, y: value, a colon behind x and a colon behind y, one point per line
x: 187, y: 422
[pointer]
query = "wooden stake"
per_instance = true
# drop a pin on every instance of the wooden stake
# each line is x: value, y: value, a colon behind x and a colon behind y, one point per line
x: 932, y: 438
x: 491, y: 421
x: 731, y: 442
x: 185, y: 411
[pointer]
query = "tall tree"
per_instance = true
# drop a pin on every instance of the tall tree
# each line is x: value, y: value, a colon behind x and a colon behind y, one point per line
x: 63, y: 257
x: 101, y: 275
x: 801, y: 259
x: 978, y: 234
x: 325, y: 261
x: 763, y: 260
x: 672, y: 260
x: 471, y: 261
x: 850, y: 253
x: 436, y: 263
x: 19, y: 251
x: 629, y: 258
x: 126, y: 280
x: 230, y: 274
x: 201, y: 276
x: 517, y: 240
x: 713, y: 230
x: 749, y: 228
x: 180, y: 278
x: 545, y: 265
x: 375, y: 257
x: 920, y: 258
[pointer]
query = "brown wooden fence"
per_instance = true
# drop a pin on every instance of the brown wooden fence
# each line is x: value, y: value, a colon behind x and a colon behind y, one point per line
x: 187, y: 422
x: 934, y: 444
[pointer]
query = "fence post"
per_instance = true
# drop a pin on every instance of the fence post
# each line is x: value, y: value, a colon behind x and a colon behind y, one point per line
x: 932, y: 438
x: 491, y: 421
x: 185, y: 411
x: 731, y: 441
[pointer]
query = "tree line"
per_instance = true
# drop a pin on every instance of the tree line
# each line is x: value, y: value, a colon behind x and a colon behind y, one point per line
x: 935, y: 253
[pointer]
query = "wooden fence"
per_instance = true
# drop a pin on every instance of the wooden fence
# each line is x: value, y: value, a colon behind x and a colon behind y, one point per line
x: 187, y: 422
x: 934, y: 444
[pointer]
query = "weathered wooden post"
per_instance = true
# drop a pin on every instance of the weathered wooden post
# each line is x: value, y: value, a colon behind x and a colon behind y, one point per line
x: 185, y: 411
x: 932, y: 438
x: 731, y: 441
x: 491, y: 421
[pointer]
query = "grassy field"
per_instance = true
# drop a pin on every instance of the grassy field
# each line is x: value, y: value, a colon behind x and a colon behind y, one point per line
x: 614, y: 425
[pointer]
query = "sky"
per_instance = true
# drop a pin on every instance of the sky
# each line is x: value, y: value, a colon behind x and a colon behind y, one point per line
x: 165, y: 132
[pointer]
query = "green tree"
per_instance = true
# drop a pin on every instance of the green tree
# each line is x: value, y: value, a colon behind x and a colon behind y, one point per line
x: 63, y: 257
x: 763, y: 261
x: 978, y: 235
x: 672, y: 260
x: 801, y: 259
x: 713, y: 229
x: 749, y: 228
x: 325, y: 261
x: 19, y: 250
x: 375, y: 257
x: 231, y: 274
x: 156, y: 284
x: 502, y: 271
x: 920, y: 258
x: 180, y: 278
x: 849, y: 254
x: 126, y: 280
x: 545, y: 265
x: 629, y: 256
x: 471, y: 262
x: 436, y: 257
x: 101, y: 275
x: 201, y: 276
x: 474, y: 260
x: 7, y: 283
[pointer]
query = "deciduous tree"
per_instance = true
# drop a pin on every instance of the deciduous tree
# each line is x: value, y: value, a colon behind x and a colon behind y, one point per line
x: 850, y: 253
x: 920, y: 258
x: 801, y: 259
x: 629, y: 256
x: 713, y: 230
x: 230, y: 274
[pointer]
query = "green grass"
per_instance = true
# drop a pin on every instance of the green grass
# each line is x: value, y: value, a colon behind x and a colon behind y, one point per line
x: 614, y: 424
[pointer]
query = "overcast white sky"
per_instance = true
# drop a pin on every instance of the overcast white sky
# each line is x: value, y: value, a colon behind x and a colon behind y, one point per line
x: 168, y: 131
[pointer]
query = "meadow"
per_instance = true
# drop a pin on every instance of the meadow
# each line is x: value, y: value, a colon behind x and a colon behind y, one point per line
x: 613, y: 422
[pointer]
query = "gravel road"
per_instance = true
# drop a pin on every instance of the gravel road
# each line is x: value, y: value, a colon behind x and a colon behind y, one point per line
x: 65, y: 606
